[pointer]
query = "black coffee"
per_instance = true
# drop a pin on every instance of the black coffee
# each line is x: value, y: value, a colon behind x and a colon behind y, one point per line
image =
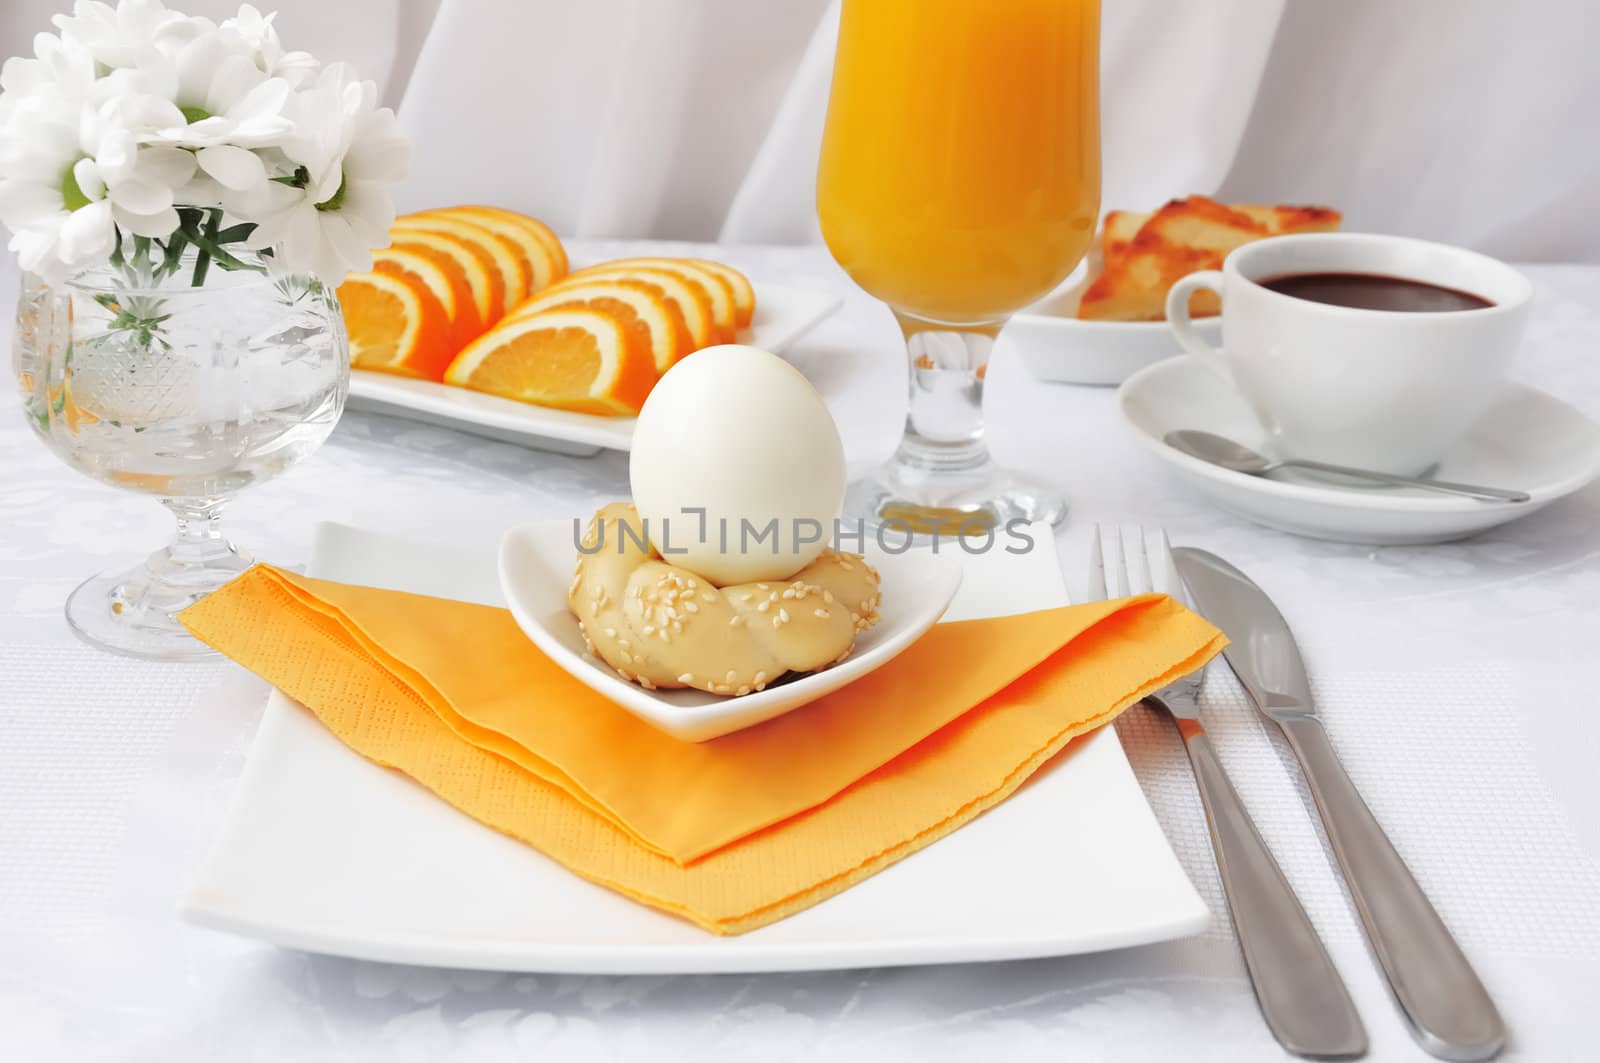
x: 1374, y: 291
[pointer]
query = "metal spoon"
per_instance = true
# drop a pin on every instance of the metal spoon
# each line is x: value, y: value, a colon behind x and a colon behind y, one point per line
x: 1224, y: 452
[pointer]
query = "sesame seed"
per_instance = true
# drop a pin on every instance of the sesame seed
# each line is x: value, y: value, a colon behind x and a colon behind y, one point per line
x: 650, y: 629
x: 761, y: 678
x: 763, y: 586
x: 827, y: 596
x: 763, y: 607
x: 707, y: 596
x: 692, y: 607
x: 735, y: 621
x: 742, y: 691
x: 788, y: 592
x: 821, y: 614
x: 644, y: 681
x: 686, y: 678
x: 847, y: 566
x: 611, y: 632
x: 625, y: 644
x: 731, y: 676
x: 776, y: 622
x: 783, y: 615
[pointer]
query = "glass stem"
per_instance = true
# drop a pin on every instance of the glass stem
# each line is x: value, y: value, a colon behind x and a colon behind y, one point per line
x: 944, y: 420
x: 199, y: 553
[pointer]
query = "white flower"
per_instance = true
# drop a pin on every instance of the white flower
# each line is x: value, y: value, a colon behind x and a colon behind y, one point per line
x: 74, y: 176
x: 134, y: 110
x: 63, y: 69
x: 122, y: 36
x: 254, y: 32
x: 351, y: 151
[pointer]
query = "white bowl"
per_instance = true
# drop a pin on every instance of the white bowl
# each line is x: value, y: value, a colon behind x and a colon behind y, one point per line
x: 536, y: 563
x: 1058, y: 346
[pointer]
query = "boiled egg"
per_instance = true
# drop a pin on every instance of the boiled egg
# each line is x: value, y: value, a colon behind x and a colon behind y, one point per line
x: 737, y: 468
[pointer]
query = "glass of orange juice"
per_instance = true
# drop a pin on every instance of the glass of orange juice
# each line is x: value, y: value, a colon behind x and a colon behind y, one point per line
x: 959, y: 182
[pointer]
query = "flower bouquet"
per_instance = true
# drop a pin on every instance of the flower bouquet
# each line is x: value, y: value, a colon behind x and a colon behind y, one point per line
x: 184, y: 196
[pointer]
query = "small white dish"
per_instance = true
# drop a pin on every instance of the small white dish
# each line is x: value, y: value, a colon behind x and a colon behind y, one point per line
x: 1528, y: 440
x: 782, y: 316
x: 536, y: 563
x: 325, y: 851
x: 1058, y: 346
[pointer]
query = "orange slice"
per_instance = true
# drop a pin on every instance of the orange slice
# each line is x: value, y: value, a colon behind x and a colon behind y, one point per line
x: 545, y: 257
x: 744, y: 296
x: 642, y: 307
x: 687, y: 296
x: 507, y: 280
x: 542, y: 232
x: 468, y: 275
x: 719, y: 293
x: 576, y: 359
x: 393, y: 326
x: 434, y: 285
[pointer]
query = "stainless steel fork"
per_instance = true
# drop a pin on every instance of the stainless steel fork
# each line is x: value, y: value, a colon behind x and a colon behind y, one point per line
x: 1301, y: 995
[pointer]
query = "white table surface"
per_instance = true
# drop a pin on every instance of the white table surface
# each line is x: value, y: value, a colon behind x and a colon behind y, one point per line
x: 1455, y: 679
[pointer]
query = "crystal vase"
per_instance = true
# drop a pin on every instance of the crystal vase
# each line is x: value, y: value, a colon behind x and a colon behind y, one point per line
x: 183, y: 382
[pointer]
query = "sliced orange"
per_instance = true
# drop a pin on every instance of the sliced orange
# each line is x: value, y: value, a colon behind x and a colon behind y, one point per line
x: 719, y: 293
x: 393, y: 327
x: 465, y: 268
x: 542, y: 232
x: 434, y: 285
x: 576, y: 359
x: 537, y: 246
x: 507, y: 280
x: 744, y: 296
x: 642, y: 307
x: 688, y: 296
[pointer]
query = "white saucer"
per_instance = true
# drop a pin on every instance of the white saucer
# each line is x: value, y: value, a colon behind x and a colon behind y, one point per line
x: 1529, y: 441
x: 536, y: 567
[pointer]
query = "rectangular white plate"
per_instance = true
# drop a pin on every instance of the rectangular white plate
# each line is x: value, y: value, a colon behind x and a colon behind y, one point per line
x: 327, y: 852
x: 782, y: 316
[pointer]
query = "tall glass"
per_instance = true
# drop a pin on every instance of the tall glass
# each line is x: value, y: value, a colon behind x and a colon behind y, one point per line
x: 959, y: 182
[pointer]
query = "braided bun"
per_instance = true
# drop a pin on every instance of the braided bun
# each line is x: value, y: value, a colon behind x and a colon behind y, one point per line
x: 662, y: 626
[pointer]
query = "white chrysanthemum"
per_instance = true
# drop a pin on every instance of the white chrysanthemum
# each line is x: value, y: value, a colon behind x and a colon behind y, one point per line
x: 135, y: 110
x: 352, y: 152
x: 122, y: 36
x: 75, y: 176
x: 254, y: 31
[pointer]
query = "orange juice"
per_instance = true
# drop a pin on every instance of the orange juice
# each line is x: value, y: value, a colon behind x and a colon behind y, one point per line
x: 960, y: 170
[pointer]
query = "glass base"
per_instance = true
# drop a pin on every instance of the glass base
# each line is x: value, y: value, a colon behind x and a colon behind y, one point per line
x: 135, y: 612
x: 970, y: 501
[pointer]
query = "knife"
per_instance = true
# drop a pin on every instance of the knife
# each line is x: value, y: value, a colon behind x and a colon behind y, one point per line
x: 1446, y: 1005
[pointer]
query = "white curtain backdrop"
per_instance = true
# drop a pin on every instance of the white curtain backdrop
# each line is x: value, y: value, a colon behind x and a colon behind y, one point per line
x: 1471, y: 121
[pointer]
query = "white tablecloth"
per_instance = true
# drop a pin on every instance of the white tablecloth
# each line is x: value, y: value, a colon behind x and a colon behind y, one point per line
x: 1453, y: 678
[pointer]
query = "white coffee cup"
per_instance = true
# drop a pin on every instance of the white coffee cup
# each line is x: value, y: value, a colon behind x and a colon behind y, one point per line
x: 1381, y: 389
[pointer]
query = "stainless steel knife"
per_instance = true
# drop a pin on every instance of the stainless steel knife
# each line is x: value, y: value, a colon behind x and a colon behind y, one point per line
x: 1449, y: 1011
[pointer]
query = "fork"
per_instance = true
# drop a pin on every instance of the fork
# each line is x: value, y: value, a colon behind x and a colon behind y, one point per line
x: 1304, y: 1001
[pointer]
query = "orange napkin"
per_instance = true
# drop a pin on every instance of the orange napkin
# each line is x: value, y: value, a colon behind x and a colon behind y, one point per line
x: 733, y: 833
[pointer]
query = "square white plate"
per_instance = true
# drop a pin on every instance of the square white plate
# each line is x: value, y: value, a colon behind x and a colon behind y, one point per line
x: 782, y: 316
x: 323, y: 850
x: 536, y: 569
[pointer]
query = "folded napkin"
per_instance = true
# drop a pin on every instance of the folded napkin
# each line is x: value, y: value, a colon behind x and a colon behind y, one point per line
x: 731, y: 834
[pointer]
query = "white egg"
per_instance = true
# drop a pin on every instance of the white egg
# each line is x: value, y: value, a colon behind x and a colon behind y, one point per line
x: 737, y: 468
